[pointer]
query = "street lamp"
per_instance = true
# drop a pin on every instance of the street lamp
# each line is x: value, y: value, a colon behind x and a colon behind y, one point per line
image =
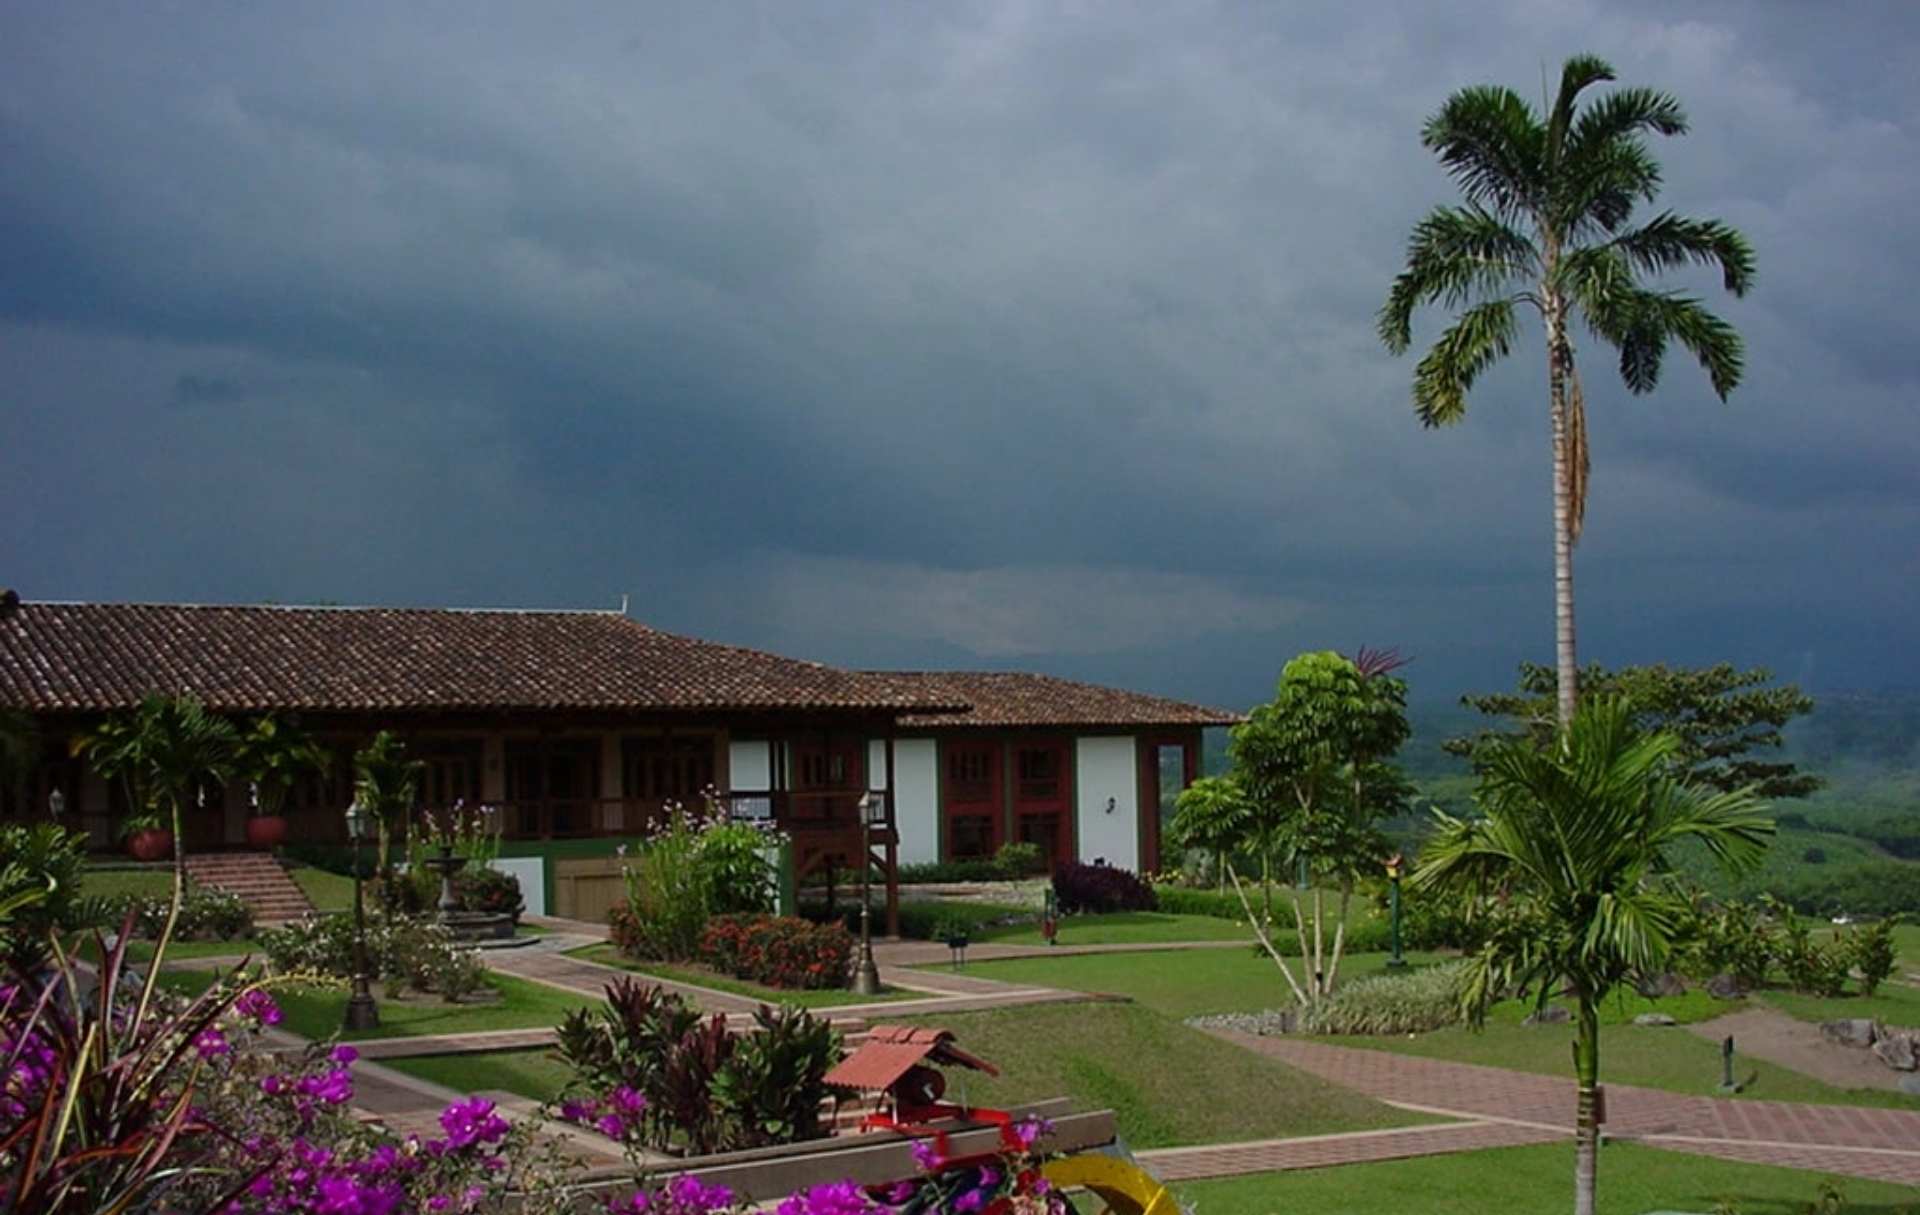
x: 56, y: 802
x: 1394, y: 865
x: 361, y: 1010
x: 866, y: 976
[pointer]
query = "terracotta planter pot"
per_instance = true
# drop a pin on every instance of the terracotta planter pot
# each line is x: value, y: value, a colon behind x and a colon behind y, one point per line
x: 266, y: 831
x: 153, y: 844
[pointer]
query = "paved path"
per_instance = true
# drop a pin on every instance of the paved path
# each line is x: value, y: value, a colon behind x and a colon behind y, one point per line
x: 1355, y: 1147
x: 1882, y: 1144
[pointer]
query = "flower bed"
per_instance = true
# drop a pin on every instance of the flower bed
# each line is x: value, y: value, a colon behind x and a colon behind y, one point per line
x: 779, y: 951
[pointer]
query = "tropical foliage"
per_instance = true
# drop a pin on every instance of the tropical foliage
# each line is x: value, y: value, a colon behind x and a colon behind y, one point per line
x: 1572, y: 846
x: 1547, y: 225
x: 690, y: 867
x: 385, y: 783
x: 273, y: 755
x: 1718, y: 714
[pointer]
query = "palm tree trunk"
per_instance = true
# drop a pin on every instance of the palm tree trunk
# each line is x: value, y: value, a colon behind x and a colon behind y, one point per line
x: 1559, y: 368
x: 1586, y: 1135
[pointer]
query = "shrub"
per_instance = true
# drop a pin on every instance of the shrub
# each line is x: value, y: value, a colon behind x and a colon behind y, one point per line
x: 1869, y: 950
x: 936, y: 873
x: 779, y: 951
x: 1019, y: 860
x: 489, y: 890
x: 403, y: 952
x: 1809, y: 966
x: 1729, y: 938
x: 1184, y: 900
x: 1814, y: 856
x: 739, y: 879
x: 920, y: 919
x: 205, y: 915
x: 41, y: 869
x: 1100, y: 888
x: 1410, y: 1003
x: 649, y: 1072
x: 689, y: 867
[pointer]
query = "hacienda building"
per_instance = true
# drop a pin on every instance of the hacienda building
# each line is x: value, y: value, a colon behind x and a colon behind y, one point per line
x: 579, y: 726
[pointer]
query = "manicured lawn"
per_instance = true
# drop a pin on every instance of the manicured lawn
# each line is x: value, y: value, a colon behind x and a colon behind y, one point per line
x: 326, y: 891
x: 317, y: 1012
x: 538, y: 1074
x: 1906, y: 947
x: 1655, y: 1057
x: 607, y: 955
x: 1180, y: 983
x: 1894, y: 1004
x: 144, y: 883
x: 1526, y: 1180
x: 1125, y: 928
x: 1167, y: 1084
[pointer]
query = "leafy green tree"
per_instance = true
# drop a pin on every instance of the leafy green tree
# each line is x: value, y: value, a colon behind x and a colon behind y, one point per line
x: 1212, y: 815
x: 1546, y: 226
x: 273, y: 755
x: 1312, y: 765
x: 1572, y: 842
x: 1717, y: 715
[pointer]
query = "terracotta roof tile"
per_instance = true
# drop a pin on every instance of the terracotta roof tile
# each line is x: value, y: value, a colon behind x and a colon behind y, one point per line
x: 98, y: 656
x: 1012, y: 698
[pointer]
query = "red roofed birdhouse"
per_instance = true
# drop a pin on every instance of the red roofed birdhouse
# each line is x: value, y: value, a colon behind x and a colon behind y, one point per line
x: 890, y: 1062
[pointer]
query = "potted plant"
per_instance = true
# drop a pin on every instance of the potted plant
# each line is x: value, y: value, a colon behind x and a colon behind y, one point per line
x: 147, y: 839
x: 273, y: 754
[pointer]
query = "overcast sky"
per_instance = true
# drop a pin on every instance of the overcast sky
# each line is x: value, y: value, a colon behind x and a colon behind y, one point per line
x: 995, y: 335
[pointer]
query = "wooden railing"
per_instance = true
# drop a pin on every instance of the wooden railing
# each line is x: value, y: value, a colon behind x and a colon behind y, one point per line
x: 794, y: 811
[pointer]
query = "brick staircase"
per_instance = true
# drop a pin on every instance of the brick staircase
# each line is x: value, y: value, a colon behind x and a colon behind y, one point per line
x: 257, y: 878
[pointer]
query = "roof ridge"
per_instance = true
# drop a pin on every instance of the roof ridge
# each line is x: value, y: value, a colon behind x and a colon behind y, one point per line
x: 331, y: 607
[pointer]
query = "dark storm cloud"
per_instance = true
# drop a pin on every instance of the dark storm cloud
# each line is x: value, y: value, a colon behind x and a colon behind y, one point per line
x: 972, y: 334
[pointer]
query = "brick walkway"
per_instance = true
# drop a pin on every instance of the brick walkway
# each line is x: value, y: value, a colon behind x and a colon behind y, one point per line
x: 1883, y: 1144
x: 1357, y: 1147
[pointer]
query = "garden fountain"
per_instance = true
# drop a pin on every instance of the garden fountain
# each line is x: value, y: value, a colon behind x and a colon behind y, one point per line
x: 464, y: 925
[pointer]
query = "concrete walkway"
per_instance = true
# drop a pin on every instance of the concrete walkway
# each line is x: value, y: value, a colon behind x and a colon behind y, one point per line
x: 1883, y: 1144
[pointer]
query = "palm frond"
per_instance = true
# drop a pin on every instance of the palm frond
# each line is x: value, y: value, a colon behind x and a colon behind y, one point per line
x: 1600, y: 190
x: 1670, y: 241
x: 1493, y: 146
x: 1481, y: 337
x: 1621, y: 116
x: 1578, y: 74
x: 1454, y: 253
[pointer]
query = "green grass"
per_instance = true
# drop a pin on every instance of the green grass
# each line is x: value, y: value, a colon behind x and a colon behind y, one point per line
x: 317, y: 1012
x: 326, y: 891
x: 607, y: 955
x: 1669, y: 1058
x: 143, y: 883
x: 1525, y: 1180
x: 1906, y: 947
x: 536, y: 1074
x: 1125, y: 928
x: 1167, y: 1084
x: 1178, y: 983
x: 1895, y: 1004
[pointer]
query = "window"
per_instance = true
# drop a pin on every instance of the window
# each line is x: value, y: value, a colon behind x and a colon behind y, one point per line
x: 969, y: 774
x: 675, y: 769
x: 449, y: 772
x: 971, y: 837
x: 1038, y: 769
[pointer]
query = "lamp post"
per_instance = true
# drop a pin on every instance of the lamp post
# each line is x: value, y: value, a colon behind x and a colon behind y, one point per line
x: 56, y: 802
x: 866, y: 975
x: 362, y: 1013
x: 1394, y: 865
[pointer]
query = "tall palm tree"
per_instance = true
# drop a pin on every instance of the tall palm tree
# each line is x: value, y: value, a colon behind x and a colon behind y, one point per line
x: 1546, y: 225
x: 1574, y: 839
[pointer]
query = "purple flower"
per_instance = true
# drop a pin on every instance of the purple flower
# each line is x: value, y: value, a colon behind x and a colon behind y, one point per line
x: 839, y: 1198
x: 343, y: 1054
x: 258, y: 1005
x: 273, y: 1086
x: 926, y: 1155
x: 471, y: 1121
x: 628, y: 1102
x: 211, y: 1043
x: 972, y: 1200
x: 1029, y: 1130
x: 612, y: 1126
x: 577, y: 1111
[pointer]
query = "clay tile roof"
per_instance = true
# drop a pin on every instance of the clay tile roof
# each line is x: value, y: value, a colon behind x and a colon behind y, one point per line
x: 1013, y: 698
x: 98, y: 656
x: 890, y: 1050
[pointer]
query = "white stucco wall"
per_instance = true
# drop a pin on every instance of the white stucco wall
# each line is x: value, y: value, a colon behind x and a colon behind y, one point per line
x: 532, y: 873
x: 1104, y: 768
x: 916, y: 798
x: 876, y: 763
x: 750, y: 765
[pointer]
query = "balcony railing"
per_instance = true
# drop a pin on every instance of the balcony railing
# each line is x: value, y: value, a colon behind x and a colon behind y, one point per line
x: 794, y: 811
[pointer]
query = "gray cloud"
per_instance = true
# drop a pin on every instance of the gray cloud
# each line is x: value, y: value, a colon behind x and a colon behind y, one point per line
x: 951, y: 313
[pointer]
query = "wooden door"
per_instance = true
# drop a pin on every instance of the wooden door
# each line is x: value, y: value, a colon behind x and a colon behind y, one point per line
x: 971, y: 790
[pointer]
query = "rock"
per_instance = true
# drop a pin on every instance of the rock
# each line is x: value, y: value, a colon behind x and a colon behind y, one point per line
x: 1654, y: 1018
x: 1910, y: 1085
x: 1661, y: 986
x: 1552, y: 1014
x: 1725, y: 987
x: 1898, y: 1052
x: 1850, y: 1031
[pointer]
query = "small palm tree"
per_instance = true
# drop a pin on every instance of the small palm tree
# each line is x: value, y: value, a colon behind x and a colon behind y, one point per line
x: 1575, y: 836
x: 1545, y: 225
x: 1211, y: 814
x: 163, y: 751
x: 274, y: 754
x: 385, y: 783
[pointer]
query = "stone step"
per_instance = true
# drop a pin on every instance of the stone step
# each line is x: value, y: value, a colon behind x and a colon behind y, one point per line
x: 256, y: 879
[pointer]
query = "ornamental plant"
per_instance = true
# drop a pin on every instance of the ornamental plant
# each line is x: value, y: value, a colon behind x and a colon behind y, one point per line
x: 692, y: 865
x: 1095, y: 889
x: 779, y: 951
